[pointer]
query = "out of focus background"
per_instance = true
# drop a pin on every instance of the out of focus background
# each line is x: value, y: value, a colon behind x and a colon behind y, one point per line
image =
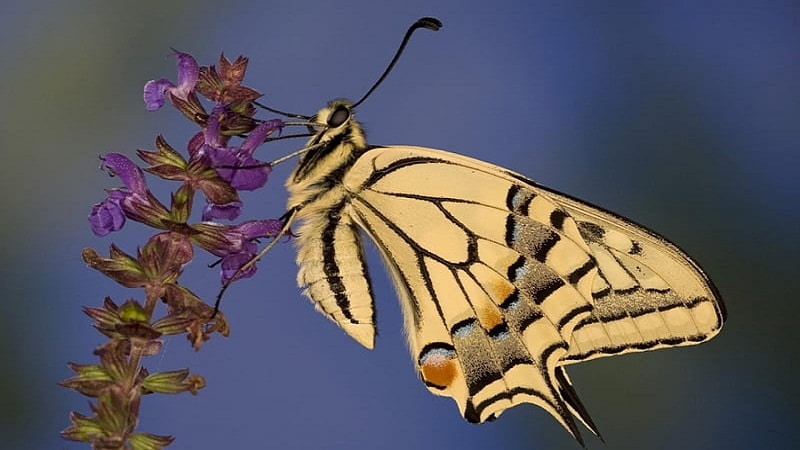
x: 684, y: 116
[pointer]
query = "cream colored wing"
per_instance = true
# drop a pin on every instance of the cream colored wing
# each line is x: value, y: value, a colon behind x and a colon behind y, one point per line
x: 503, y: 282
x: 648, y: 294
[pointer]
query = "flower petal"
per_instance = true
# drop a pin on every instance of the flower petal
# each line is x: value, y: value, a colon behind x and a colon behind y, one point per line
x: 254, y: 229
x: 130, y: 174
x: 188, y: 73
x: 259, y: 133
x: 211, y: 134
x: 241, y: 170
x: 252, y: 176
x: 228, y: 211
x: 232, y: 263
x: 154, y: 93
x: 106, y: 217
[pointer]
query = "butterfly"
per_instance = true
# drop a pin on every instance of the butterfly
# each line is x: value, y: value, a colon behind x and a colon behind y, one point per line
x: 502, y: 282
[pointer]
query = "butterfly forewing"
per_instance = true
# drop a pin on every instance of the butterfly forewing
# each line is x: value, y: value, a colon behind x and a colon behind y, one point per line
x: 502, y: 282
x: 649, y: 294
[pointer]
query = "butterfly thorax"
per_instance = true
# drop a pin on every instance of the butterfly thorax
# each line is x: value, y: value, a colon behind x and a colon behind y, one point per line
x: 338, y: 143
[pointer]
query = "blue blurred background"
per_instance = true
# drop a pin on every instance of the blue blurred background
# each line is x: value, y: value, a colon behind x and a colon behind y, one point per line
x: 680, y: 115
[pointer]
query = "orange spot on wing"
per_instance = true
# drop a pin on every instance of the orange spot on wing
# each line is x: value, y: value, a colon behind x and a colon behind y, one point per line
x: 439, y: 370
x: 499, y: 290
x: 489, y: 317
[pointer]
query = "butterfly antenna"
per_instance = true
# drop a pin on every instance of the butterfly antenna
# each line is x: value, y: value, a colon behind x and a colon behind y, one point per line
x: 426, y: 22
x: 279, y: 112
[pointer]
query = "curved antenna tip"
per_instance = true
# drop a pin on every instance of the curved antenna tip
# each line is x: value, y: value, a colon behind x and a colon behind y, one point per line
x: 431, y: 23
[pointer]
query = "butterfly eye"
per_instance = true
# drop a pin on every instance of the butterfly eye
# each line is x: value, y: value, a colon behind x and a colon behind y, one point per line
x: 338, y: 117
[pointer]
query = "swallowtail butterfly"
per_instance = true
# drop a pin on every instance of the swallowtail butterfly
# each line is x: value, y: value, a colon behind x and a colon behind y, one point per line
x: 503, y: 282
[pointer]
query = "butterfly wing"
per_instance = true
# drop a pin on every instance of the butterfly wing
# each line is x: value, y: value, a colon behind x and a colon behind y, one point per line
x: 502, y: 282
x: 648, y: 294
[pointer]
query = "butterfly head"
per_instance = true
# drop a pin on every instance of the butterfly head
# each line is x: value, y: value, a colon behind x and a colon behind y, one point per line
x: 336, y: 123
x: 338, y: 139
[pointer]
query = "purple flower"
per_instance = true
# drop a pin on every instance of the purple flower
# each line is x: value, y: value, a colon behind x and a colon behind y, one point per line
x: 107, y: 216
x: 155, y: 91
x: 236, y: 165
x: 228, y: 211
x: 127, y: 171
x: 133, y: 201
x: 232, y: 263
x: 246, y: 249
x: 235, y: 244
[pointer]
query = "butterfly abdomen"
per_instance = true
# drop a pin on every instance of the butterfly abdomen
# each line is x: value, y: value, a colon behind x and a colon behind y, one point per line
x: 334, y: 274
